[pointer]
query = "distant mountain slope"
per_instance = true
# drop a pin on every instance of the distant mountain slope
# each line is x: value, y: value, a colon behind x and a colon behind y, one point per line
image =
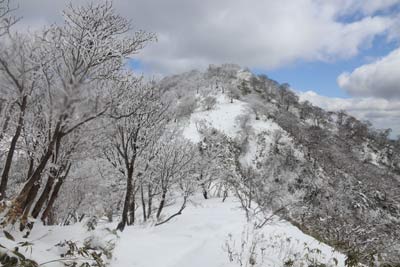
x: 342, y: 173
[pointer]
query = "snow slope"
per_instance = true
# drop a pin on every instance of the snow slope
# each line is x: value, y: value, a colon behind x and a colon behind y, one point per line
x: 197, y: 238
x: 222, y: 117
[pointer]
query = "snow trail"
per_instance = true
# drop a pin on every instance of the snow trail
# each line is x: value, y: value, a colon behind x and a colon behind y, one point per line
x: 196, y: 239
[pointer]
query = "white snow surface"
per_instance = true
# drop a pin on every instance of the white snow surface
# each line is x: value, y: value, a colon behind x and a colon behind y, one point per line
x: 222, y: 117
x: 45, y: 238
x: 197, y: 238
x: 194, y: 239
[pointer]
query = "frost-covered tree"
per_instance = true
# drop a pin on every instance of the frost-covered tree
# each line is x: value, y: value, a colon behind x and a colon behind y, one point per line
x: 174, y: 168
x: 287, y: 97
x: 215, y: 163
x: 186, y: 106
x: 136, y: 123
x: 209, y: 102
x: 70, y: 79
x: 18, y: 76
x: 6, y: 18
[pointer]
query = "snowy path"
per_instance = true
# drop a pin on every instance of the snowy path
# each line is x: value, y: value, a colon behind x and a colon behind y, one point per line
x: 195, y: 239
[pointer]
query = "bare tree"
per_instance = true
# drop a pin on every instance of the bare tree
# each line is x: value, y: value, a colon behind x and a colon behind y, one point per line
x: 6, y: 20
x: 136, y: 123
x: 77, y: 66
x: 287, y: 97
x: 18, y: 71
x: 174, y: 164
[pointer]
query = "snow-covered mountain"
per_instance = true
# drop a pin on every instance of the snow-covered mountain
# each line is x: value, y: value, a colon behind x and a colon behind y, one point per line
x: 340, y: 175
x: 276, y: 182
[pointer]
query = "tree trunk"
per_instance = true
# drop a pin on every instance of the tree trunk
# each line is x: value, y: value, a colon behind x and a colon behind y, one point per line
x: 162, y: 203
x: 179, y: 212
x: 143, y: 203
x: 37, y: 173
x: 27, y: 205
x: 54, y: 194
x: 127, y: 201
x: 132, y: 211
x: 205, y: 193
x: 149, y: 201
x: 11, y: 151
x: 45, y: 194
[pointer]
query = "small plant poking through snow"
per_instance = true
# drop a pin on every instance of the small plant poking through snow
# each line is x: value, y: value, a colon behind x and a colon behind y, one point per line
x: 256, y: 249
x: 13, y: 257
x: 95, y: 250
x: 76, y: 255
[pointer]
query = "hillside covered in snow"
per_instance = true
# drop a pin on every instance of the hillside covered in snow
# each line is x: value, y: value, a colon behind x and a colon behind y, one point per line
x: 217, y: 167
x: 339, y: 173
x: 274, y: 180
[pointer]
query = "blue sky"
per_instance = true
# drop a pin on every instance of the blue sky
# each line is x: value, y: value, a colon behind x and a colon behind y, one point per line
x: 321, y: 77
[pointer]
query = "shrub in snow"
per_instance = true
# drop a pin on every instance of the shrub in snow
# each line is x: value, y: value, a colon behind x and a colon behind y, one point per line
x: 13, y: 257
x: 254, y: 248
x: 187, y: 105
x: 209, y: 102
x: 83, y: 256
x: 91, y: 223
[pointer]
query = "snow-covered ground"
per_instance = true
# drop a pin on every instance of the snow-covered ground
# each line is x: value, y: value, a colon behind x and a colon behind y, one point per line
x: 197, y: 238
x: 222, y: 117
x: 48, y: 243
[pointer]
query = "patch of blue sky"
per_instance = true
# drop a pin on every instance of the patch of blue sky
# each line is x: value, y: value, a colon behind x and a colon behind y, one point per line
x: 321, y: 77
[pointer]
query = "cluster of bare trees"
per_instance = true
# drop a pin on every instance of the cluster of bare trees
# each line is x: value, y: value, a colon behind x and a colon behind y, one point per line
x: 67, y: 102
x: 144, y: 149
x: 54, y: 85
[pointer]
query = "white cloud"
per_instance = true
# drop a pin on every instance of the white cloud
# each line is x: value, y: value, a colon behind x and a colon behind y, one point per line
x: 382, y: 113
x: 259, y: 34
x: 380, y: 78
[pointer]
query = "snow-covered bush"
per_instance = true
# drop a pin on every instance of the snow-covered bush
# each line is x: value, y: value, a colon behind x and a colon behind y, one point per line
x: 187, y: 105
x: 209, y: 102
x: 257, y: 249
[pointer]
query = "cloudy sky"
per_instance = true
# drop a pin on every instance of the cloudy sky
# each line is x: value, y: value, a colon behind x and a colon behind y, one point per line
x: 339, y: 54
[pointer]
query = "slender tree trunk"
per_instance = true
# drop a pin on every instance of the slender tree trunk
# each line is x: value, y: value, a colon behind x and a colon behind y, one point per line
x: 11, y: 151
x: 143, y: 203
x: 203, y: 186
x: 149, y: 201
x: 162, y: 204
x: 179, y: 212
x: 31, y: 165
x: 127, y: 201
x: 205, y: 193
x: 132, y: 211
